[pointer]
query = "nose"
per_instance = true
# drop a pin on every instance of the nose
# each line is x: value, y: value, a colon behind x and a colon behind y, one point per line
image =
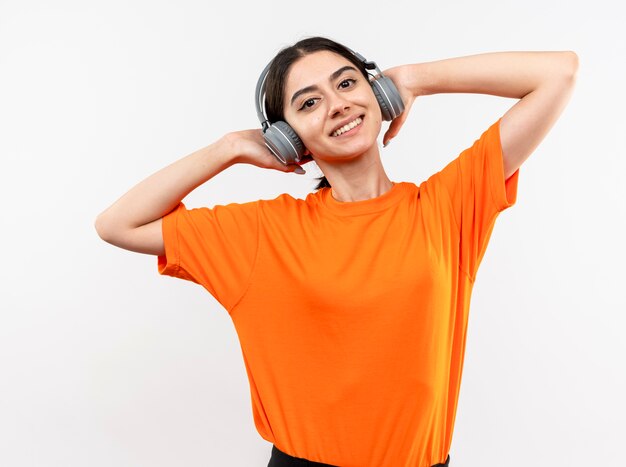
x: 338, y: 105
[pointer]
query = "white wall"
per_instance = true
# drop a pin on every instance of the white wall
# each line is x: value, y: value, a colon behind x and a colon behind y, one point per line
x: 104, y: 362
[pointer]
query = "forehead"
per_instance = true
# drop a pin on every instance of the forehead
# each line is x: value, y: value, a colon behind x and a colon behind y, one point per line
x: 313, y: 69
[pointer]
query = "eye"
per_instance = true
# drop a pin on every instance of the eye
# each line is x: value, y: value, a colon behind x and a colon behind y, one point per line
x: 308, y: 103
x: 347, y: 81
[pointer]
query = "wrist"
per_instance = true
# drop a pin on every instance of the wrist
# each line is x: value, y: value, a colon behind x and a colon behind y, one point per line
x: 225, y: 151
x: 420, y: 79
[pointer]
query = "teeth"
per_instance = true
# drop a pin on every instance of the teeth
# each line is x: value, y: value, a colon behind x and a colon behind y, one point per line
x: 347, y: 127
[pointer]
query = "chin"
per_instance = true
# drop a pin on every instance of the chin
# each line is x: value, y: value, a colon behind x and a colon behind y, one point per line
x: 349, y: 151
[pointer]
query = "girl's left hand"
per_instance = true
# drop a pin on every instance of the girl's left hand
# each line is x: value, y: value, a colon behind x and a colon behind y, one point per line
x: 404, y: 80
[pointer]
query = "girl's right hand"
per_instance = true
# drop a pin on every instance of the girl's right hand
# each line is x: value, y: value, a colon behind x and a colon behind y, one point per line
x: 248, y: 147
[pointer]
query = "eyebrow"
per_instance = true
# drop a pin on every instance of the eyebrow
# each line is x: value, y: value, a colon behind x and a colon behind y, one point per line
x: 332, y: 77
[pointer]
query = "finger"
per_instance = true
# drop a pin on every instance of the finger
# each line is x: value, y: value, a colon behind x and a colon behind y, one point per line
x: 393, y: 130
x: 396, y: 124
x: 294, y: 168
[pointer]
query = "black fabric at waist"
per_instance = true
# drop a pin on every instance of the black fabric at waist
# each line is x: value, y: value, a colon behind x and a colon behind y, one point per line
x: 281, y: 459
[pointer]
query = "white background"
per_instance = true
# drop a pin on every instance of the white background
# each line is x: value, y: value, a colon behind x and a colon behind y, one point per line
x: 105, y: 363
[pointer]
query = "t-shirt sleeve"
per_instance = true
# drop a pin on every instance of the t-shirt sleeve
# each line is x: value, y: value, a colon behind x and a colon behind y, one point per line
x: 214, y: 247
x: 478, y: 192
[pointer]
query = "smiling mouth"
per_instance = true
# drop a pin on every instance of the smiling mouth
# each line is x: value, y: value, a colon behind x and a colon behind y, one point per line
x: 349, y: 126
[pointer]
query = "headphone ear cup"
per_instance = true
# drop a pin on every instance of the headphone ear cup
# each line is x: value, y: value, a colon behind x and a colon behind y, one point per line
x: 388, y: 97
x: 284, y: 143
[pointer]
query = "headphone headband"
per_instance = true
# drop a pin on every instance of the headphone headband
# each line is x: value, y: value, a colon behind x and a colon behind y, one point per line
x: 260, y: 95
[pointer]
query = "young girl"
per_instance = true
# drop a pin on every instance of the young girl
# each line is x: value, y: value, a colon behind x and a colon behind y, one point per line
x: 351, y: 305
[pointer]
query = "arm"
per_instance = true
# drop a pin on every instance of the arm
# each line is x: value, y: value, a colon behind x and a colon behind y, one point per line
x: 543, y: 81
x: 133, y: 222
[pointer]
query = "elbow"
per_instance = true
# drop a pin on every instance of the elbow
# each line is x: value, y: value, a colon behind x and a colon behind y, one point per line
x: 572, y: 64
x: 564, y: 68
x: 100, y: 228
x: 103, y: 229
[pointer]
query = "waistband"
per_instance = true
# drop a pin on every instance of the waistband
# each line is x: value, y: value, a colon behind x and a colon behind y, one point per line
x: 281, y: 459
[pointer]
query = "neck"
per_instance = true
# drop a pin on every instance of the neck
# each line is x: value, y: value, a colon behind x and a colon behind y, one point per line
x: 356, y: 179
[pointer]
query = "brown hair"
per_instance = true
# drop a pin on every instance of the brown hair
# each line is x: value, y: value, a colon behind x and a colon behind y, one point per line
x: 279, y: 69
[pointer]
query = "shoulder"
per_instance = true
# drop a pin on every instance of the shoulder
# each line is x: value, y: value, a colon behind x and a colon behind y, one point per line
x: 287, y: 201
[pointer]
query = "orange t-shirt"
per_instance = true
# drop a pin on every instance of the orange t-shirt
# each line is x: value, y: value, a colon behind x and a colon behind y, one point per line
x: 351, y: 316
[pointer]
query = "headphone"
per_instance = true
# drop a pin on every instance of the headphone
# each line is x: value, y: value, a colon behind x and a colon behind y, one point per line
x: 283, y: 141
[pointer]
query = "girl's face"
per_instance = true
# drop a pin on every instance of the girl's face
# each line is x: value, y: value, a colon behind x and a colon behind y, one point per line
x: 325, y: 92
